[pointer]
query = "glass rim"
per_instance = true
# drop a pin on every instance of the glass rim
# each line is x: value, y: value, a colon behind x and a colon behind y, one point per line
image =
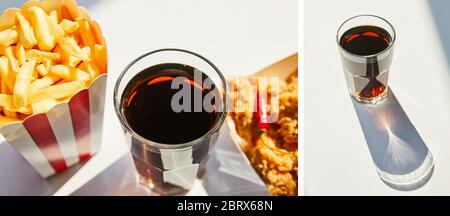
x: 145, y: 141
x: 391, y: 44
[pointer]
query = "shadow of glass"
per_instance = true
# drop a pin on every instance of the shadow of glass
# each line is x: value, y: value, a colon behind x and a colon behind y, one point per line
x: 402, y: 158
x: 18, y: 178
x: 119, y: 179
x: 441, y: 14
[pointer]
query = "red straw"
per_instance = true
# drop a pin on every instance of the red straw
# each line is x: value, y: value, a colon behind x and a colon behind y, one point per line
x: 261, y: 111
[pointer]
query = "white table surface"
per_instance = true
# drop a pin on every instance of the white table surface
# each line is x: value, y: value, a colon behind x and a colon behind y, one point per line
x: 337, y: 158
x: 240, y: 37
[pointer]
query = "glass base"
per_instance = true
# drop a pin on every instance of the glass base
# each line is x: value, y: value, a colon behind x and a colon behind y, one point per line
x: 152, y: 178
x: 163, y: 189
x: 372, y: 100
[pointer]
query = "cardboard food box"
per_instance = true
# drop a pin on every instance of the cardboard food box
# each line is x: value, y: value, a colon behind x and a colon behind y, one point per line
x: 282, y: 70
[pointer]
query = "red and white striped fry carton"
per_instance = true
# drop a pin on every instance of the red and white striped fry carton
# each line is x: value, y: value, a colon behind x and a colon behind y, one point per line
x: 71, y: 131
x: 67, y: 134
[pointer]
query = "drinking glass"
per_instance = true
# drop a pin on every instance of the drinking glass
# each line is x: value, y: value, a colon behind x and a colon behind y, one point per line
x: 367, y: 74
x: 170, y: 169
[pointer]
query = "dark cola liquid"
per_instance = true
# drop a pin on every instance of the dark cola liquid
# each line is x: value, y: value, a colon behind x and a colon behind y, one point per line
x: 148, y: 106
x: 368, y: 41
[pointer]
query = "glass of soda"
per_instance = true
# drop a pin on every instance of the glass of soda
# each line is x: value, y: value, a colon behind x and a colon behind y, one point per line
x: 171, y: 104
x: 366, y: 45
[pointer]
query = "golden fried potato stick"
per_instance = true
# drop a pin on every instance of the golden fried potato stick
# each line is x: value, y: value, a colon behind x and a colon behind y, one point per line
x: 3, y: 87
x: 56, y: 91
x: 90, y: 68
x: 99, y: 39
x: 74, y: 61
x: 48, y: 63
x: 77, y: 36
x: 69, y: 73
x: 6, y: 101
x: 39, y: 21
x: 87, y: 51
x: 43, y: 106
x: 68, y: 26
x: 43, y: 82
x: 23, y: 82
x: 9, y: 53
x: 9, y: 113
x: 68, y: 8
x: 8, y: 18
x: 53, y: 15
x: 42, y: 70
x: 24, y: 110
x: 26, y: 33
x: 44, y: 67
x: 34, y: 75
x: 101, y: 58
x: 42, y: 56
x: 70, y: 47
x: 87, y: 36
x: 20, y: 54
x: 8, y: 77
x: 8, y: 37
x: 56, y: 30
x: 29, y: 4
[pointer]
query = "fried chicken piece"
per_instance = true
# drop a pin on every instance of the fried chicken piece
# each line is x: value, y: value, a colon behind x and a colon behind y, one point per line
x: 288, y: 132
x: 274, y: 152
x: 281, y: 184
x: 275, y: 166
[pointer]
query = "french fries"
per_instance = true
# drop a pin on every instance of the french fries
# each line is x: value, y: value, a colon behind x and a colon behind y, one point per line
x: 9, y: 113
x: 26, y: 33
x: 43, y: 82
x: 42, y: 56
x: 43, y: 106
x: 69, y: 26
x: 7, y: 76
x: 86, y: 32
x: 101, y: 56
x: 53, y: 15
x: 90, y: 68
x: 71, y: 48
x: 20, y: 53
x: 39, y: 21
x: 56, y: 91
x: 42, y: 70
x: 69, y: 73
x: 48, y: 53
x: 8, y: 37
x: 9, y: 53
x: 23, y: 82
x: 56, y: 31
x: 6, y: 101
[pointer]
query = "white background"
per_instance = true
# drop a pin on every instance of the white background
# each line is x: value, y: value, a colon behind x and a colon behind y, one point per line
x: 239, y: 37
x: 337, y: 158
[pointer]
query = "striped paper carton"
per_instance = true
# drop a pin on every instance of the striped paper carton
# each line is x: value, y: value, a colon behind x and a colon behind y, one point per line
x: 71, y: 131
x: 67, y: 134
